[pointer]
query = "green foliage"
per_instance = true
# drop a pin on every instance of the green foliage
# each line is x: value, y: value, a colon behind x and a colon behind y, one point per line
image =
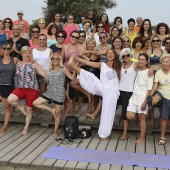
x: 76, y: 7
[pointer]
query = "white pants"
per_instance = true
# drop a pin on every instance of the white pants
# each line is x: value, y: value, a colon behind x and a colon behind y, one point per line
x: 93, y: 85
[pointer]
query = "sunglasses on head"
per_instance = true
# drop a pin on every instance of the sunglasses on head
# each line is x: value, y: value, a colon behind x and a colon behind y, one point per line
x: 74, y: 37
x: 100, y: 26
x: 102, y: 37
x: 126, y: 41
x: 35, y: 31
x: 155, y: 41
x: 127, y: 55
x: 6, y: 48
x: 55, y: 59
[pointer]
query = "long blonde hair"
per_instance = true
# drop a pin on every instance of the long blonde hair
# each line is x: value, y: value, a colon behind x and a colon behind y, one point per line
x: 50, y: 66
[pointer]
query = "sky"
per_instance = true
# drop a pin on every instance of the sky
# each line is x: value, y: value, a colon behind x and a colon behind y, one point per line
x: 156, y: 10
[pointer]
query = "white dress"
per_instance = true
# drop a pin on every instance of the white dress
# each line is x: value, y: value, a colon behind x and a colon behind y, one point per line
x: 108, y: 88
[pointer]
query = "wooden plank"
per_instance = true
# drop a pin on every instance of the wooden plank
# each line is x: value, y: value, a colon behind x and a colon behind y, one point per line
x: 21, y: 142
x: 111, y: 147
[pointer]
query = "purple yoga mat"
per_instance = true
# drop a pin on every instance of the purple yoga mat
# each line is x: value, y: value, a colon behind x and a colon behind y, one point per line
x: 108, y: 157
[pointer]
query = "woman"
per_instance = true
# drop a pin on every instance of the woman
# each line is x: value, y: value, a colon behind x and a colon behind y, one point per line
x: 137, y: 46
x: 7, y: 71
x: 72, y: 48
x: 126, y: 41
x: 117, y: 45
x: 107, y: 87
x: 42, y: 56
x: 60, y: 37
x: 87, y: 24
x: 35, y: 32
x: 118, y: 23
x: 22, y: 33
x: 99, y: 28
x: 56, y: 21
x: 161, y: 92
x: 104, y: 18
x: 8, y: 26
x: 55, y: 92
x: 3, y: 34
x: 141, y: 90
x: 70, y: 26
x: 41, y: 24
x: 82, y: 37
x: 89, y: 46
x: 113, y: 33
x: 27, y: 85
x: 167, y: 45
x: 146, y: 45
x: 162, y: 30
x: 127, y: 77
x: 51, y: 37
x: 145, y: 30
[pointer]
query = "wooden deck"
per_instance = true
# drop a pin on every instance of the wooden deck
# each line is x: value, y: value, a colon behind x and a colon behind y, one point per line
x: 24, y: 152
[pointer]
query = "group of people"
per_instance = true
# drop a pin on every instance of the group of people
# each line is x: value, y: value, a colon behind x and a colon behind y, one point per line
x: 100, y: 62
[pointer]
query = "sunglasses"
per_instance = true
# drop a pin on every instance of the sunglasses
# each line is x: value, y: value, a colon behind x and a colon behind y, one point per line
x: 155, y: 41
x: 70, y: 18
x: 60, y: 36
x: 41, y: 23
x: 118, y: 20
x: 82, y: 36
x: 35, y: 32
x: 74, y: 37
x: 6, y: 48
x: 126, y: 41
x: 168, y: 43
x: 102, y: 37
x: 7, y: 22
x: 100, y: 26
x: 127, y: 55
x: 55, y: 59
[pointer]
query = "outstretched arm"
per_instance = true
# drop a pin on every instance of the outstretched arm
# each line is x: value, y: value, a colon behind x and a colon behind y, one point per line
x: 86, y: 62
x: 39, y: 69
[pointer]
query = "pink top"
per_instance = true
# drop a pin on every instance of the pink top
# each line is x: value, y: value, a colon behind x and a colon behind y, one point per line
x: 68, y: 55
x: 25, y: 22
x: 32, y: 46
x: 68, y: 30
x: 9, y: 32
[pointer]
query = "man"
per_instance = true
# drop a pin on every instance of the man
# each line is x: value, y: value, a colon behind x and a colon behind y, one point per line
x: 91, y: 16
x: 20, y: 18
x: 139, y: 21
x: 17, y: 42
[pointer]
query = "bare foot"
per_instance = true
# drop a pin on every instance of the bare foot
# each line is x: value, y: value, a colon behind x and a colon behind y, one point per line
x: 53, y: 112
x: 72, y: 110
x: 103, y: 139
x: 23, y: 110
x: 124, y: 137
x: 3, y: 130
x: 55, y: 134
x: 90, y: 116
x: 79, y: 111
x: 71, y: 61
x: 138, y: 141
x: 24, y: 132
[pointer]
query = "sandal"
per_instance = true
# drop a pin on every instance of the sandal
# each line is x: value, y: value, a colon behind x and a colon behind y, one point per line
x: 162, y: 141
x: 149, y: 101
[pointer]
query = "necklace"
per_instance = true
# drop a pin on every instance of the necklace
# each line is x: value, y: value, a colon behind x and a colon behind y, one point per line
x: 126, y: 67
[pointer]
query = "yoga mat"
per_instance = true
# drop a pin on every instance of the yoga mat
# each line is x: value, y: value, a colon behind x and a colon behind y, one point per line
x: 108, y: 157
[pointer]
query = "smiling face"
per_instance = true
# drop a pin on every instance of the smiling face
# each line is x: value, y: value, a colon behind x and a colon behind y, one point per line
x: 110, y: 55
x: 16, y: 30
x: 126, y: 57
x: 165, y: 63
x: 42, y: 40
x: 126, y: 42
x: 162, y: 30
x: 26, y: 55
x: 117, y: 43
x: 146, y: 25
x: 6, y: 49
x: 55, y: 59
x: 131, y: 25
x: 60, y: 38
x: 156, y: 42
x: 57, y: 17
x: 86, y: 26
x: 74, y: 37
x: 90, y: 45
x: 142, y: 62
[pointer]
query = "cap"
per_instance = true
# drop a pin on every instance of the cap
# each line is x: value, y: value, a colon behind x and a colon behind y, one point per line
x: 91, y: 10
x: 19, y: 12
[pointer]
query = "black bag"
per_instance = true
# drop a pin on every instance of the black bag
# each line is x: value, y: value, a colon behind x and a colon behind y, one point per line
x: 71, y: 128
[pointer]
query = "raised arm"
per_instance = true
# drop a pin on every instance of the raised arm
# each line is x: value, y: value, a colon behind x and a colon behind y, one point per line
x: 69, y: 75
x: 39, y: 69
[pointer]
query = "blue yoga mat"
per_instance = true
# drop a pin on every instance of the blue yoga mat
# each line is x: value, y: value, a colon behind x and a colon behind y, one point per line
x: 108, y: 157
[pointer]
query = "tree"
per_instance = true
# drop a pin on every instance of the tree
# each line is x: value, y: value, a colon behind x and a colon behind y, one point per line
x: 76, y: 7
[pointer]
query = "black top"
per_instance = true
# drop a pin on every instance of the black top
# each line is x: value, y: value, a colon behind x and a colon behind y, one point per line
x: 19, y: 44
x: 56, y: 49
